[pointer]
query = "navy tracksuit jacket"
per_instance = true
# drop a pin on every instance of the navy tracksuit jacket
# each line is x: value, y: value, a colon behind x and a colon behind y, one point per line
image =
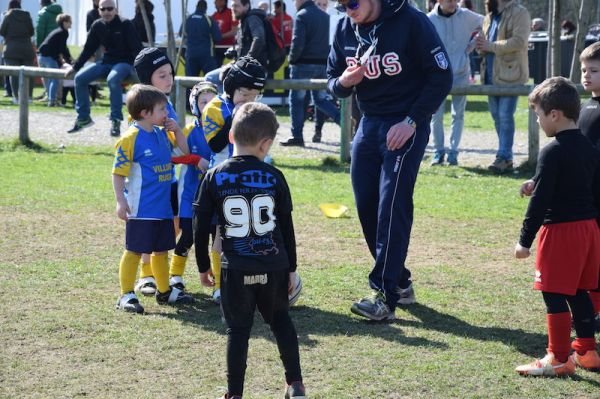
x: 408, y: 74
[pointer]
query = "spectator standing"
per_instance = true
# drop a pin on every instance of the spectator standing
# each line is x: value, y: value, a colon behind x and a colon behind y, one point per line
x: 46, y: 20
x: 538, y: 25
x: 121, y: 43
x: 282, y: 23
x: 138, y: 22
x: 201, y: 32
x: 92, y: 15
x: 389, y: 53
x: 52, y: 51
x: 503, y: 46
x: 250, y: 37
x: 17, y: 30
x: 457, y: 28
x: 228, y: 27
x: 308, y: 60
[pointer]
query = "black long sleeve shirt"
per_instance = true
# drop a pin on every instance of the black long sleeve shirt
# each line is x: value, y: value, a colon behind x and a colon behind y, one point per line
x: 55, y: 44
x: 589, y: 120
x: 567, y: 184
x: 118, y: 37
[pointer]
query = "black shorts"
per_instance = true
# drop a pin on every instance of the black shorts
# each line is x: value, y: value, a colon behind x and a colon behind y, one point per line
x: 243, y: 292
x: 147, y: 236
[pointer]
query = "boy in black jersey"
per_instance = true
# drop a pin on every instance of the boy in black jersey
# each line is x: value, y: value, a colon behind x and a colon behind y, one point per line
x: 254, y: 209
x: 589, y: 122
x: 566, y: 191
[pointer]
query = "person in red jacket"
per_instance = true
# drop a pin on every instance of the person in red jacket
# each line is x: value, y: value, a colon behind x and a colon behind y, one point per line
x: 228, y: 28
x: 282, y: 23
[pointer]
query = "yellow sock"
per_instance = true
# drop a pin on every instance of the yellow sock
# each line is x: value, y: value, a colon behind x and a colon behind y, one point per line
x: 128, y: 270
x: 177, y: 265
x: 146, y: 270
x: 215, y: 261
x: 160, y: 269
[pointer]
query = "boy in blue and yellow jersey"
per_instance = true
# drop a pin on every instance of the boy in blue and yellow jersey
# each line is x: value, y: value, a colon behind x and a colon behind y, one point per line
x: 154, y: 68
x: 142, y: 175
x: 242, y: 83
x: 192, y: 167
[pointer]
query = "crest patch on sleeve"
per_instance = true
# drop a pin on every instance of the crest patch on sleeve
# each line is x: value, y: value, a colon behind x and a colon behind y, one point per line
x: 441, y: 60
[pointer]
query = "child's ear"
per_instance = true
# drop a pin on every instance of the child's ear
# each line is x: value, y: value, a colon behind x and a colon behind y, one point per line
x: 145, y: 113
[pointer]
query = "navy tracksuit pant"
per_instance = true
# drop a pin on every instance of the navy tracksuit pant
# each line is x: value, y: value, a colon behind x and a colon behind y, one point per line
x: 383, y: 182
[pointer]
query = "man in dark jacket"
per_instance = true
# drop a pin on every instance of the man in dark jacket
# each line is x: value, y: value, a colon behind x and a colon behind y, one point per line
x: 46, y: 20
x: 121, y: 42
x: 308, y: 60
x: 201, y: 34
x: 50, y: 52
x: 250, y: 37
x: 92, y: 15
x: 390, y: 54
x: 17, y: 29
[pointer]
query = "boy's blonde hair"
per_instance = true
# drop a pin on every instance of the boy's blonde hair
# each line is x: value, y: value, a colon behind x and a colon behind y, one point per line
x: 591, y: 53
x: 143, y: 98
x: 556, y: 93
x: 252, y: 123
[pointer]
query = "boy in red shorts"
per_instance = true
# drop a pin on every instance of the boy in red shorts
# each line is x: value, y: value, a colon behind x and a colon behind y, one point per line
x: 563, y: 208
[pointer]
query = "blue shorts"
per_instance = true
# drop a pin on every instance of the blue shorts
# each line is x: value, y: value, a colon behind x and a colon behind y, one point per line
x: 147, y: 236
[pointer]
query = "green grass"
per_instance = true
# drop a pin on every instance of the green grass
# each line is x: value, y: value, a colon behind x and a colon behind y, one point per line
x: 477, y: 316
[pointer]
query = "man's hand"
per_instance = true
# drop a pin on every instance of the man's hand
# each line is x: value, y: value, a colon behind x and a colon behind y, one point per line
x: 352, y: 76
x: 521, y: 252
x: 123, y: 210
x: 482, y: 44
x: 69, y: 72
x: 398, y: 135
x: 527, y: 188
x: 207, y: 279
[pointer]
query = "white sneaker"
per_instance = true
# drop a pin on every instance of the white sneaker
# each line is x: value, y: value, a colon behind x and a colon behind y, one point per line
x: 129, y: 303
x: 146, y: 286
x: 177, y: 282
x: 406, y: 295
x: 216, y: 296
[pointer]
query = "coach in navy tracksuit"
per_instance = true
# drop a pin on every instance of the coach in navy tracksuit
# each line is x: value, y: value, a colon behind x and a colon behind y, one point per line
x: 404, y: 81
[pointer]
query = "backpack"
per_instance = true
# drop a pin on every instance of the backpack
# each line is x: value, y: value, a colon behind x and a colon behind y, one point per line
x: 275, y: 49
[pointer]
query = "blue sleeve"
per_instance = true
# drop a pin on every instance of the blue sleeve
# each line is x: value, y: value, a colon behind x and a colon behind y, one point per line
x: 436, y: 66
x: 216, y: 32
x: 336, y: 65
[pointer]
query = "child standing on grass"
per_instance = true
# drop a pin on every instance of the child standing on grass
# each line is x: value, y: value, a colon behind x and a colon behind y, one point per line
x: 589, y: 123
x: 243, y: 82
x: 563, y: 207
x: 154, y: 68
x: 142, y: 175
x: 253, y: 206
x: 193, y: 166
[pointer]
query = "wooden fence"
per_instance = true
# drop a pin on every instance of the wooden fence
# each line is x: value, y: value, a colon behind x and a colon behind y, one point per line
x: 182, y: 83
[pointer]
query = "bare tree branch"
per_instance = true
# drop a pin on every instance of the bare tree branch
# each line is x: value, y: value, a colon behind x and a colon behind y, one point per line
x: 587, y: 12
x: 147, y: 26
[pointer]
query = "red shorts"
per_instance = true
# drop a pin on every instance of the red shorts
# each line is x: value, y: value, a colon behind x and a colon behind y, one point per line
x: 568, y: 257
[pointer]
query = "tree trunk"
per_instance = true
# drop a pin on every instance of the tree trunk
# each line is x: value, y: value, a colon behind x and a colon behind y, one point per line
x: 184, y: 6
x: 146, y: 22
x: 587, y: 11
x: 554, y: 39
x: 171, y: 50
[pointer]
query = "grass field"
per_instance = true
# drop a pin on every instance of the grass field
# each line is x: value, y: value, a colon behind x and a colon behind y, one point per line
x: 477, y: 316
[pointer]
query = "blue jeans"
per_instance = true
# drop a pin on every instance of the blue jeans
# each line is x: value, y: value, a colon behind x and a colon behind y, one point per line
x: 51, y: 85
x: 115, y: 74
x: 319, y: 97
x: 458, y: 120
x: 503, y: 110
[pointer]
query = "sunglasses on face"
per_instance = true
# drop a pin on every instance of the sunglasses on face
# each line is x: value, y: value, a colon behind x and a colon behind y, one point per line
x: 109, y: 9
x: 350, y: 5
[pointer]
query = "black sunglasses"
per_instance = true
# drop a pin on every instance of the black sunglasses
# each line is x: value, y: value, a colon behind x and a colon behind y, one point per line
x: 106, y: 8
x: 351, y: 5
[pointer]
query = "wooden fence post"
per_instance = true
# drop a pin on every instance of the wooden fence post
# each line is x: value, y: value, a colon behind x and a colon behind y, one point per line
x: 180, y: 99
x: 23, y: 107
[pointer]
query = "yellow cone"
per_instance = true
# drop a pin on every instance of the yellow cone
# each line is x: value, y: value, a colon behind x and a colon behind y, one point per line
x: 333, y: 210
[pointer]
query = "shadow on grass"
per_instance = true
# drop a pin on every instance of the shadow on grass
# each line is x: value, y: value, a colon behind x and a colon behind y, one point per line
x: 523, y: 171
x: 15, y: 146
x: 531, y: 344
x: 309, y: 322
x: 328, y: 164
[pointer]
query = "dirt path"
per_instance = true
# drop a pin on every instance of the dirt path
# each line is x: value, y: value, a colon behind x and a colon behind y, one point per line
x: 477, y: 148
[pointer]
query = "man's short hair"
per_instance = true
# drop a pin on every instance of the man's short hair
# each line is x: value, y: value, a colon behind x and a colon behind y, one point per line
x: 244, y: 2
x: 143, y: 98
x: 60, y: 18
x: 556, y: 93
x: 252, y: 123
x: 46, y: 3
x: 201, y: 6
x: 591, y: 53
x: 278, y: 4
